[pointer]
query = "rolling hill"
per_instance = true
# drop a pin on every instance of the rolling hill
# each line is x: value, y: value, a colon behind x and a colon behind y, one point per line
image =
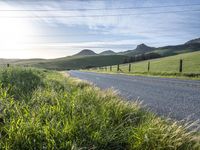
x: 5, y: 61
x: 140, y: 49
x: 88, y: 58
x: 193, y: 41
x: 68, y: 63
x: 86, y: 52
x: 164, y: 66
x: 190, y: 46
x: 108, y: 52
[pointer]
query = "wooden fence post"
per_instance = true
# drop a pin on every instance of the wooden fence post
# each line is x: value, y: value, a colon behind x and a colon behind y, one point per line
x: 181, y: 66
x: 118, y: 67
x: 129, y: 68
x: 148, y: 66
x: 110, y: 68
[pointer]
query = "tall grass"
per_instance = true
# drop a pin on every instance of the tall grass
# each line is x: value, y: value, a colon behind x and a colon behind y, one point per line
x: 41, y: 109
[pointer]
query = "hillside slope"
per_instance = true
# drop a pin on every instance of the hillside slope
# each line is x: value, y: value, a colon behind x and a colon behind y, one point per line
x: 193, y: 41
x: 140, y: 49
x: 164, y: 66
x: 108, y: 52
x: 88, y: 58
x: 81, y: 62
x: 190, y: 46
x: 178, y: 49
x: 85, y: 52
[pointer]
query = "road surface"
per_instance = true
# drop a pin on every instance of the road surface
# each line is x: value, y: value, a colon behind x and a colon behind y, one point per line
x: 174, y: 98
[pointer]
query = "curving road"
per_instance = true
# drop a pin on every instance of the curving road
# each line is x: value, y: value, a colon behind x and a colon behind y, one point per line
x: 174, y: 98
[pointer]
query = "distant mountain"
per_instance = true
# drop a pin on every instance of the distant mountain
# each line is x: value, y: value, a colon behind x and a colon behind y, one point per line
x: 144, y: 48
x: 5, y: 61
x: 193, y: 41
x: 108, y: 52
x: 190, y: 46
x: 85, y: 52
x: 140, y: 49
x: 88, y: 58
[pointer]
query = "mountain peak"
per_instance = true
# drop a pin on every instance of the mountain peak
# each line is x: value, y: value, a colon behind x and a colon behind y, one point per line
x: 86, y: 52
x: 143, y: 47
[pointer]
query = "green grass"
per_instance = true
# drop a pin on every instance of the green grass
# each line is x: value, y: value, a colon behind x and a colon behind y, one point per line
x: 41, y: 109
x: 84, y: 62
x: 71, y: 62
x: 164, y: 66
x: 81, y: 62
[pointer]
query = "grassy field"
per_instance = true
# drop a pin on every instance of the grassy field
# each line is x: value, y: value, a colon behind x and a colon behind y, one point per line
x: 169, y: 64
x: 65, y: 63
x: 81, y: 62
x: 41, y: 109
x: 163, y: 66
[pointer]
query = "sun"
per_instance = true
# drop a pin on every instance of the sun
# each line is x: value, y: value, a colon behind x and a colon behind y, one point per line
x: 14, y: 34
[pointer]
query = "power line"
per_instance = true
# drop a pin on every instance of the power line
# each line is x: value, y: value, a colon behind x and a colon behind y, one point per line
x: 91, y: 9
x: 107, y: 34
x: 108, y: 15
x: 34, y: 1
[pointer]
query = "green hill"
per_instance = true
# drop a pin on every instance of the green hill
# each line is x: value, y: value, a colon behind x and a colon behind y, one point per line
x: 173, y: 50
x: 189, y: 46
x: 85, y: 52
x: 88, y: 58
x: 140, y: 49
x: 67, y: 63
x: 166, y: 66
x: 108, y: 52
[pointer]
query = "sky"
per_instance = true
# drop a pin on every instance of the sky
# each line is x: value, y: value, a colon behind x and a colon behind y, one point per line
x: 59, y: 28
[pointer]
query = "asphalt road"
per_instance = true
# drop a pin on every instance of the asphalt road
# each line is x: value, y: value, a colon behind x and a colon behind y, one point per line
x: 174, y: 98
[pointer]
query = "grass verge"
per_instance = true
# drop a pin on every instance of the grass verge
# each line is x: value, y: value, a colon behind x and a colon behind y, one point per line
x: 188, y: 76
x: 41, y: 109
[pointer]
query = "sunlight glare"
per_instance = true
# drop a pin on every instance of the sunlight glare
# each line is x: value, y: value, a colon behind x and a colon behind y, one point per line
x: 14, y: 35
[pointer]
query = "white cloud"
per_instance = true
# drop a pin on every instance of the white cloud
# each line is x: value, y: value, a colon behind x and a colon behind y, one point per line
x: 155, y: 30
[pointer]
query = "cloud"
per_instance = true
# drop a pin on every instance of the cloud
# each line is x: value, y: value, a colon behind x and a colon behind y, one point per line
x: 116, y: 32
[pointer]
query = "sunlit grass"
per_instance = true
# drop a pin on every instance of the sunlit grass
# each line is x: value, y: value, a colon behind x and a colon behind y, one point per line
x: 162, y: 66
x: 42, y: 109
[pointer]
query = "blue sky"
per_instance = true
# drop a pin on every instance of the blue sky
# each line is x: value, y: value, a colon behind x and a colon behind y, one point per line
x: 45, y: 35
